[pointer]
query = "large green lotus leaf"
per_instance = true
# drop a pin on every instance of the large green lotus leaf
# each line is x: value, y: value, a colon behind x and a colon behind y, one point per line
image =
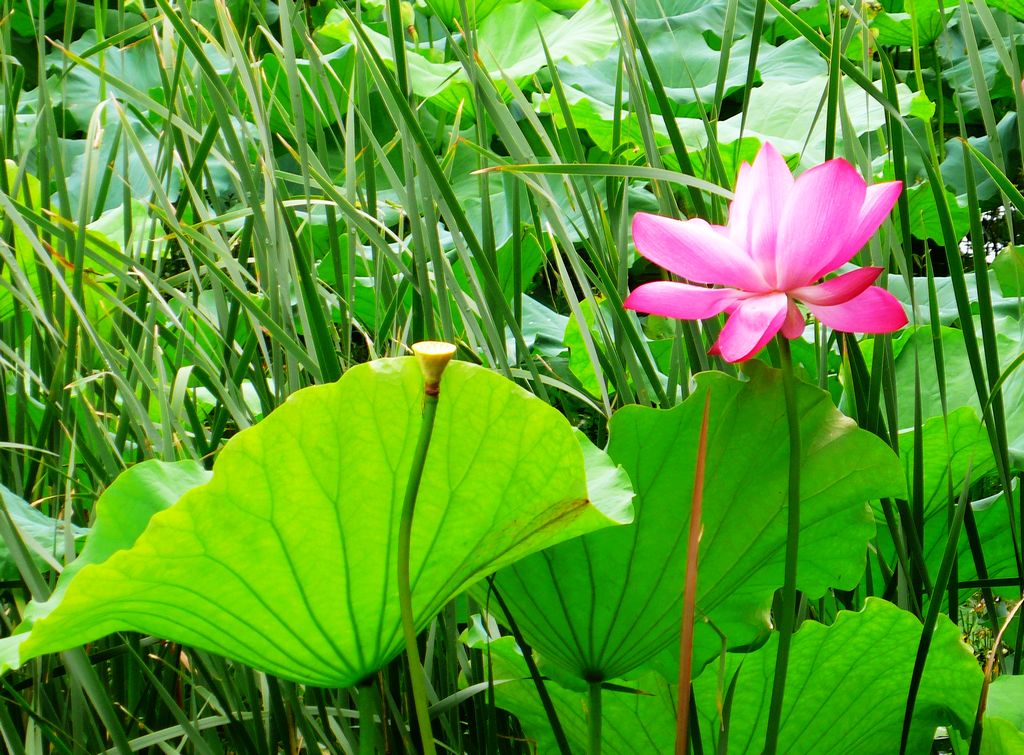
x: 846, y: 689
x: 924, y: 215
x: 950, y: 448
x: 1003, y: 722
x: 959, y: 71
x: 960, y: 389
x: 945, y: 299
x: 285, y: 559
x: 952, y: 167
x: 598, y: 119
x: 639, y: 721
x: 125, y: 508
x: 691, y: 79
x: 1013, y: 7
x: 789, y: 115
x: 992, y: 518
x: 591, y: 89
x: 1000, y: 738
x: 42, y: 534
x: 126, y: 168
x: 897, y: 29
x: 1008, y: 267
x: 25, y: 21
x: 450, y: 11
x: 853, y: 665
x: 791, y: 62
x: 130, y: 229
x: 1006, y: 700
x: 601, y: 606
x: 700, y: 15
x: 688, y: 79
x: 80, y: 91
x: 509, y: 42
x: 442, y: 82
x: 782, y: 112
x: 121, y: 514
x: 510, y: 39
x: 322, y: 90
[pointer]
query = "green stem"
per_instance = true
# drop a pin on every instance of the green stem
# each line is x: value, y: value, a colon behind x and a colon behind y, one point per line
x: 594, y: 719
x: 369, y: 736
x: 787, y: 617
x: 416, y: 674
x: 557, y: 731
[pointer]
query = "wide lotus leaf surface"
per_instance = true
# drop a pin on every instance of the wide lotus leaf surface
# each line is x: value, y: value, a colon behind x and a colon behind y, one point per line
x: 846, y: 689
x: 785, y: 114
x: 602, y: 605
x: 450, y: 11
x: 510, y: 42
x: 43, y: 534
x: 1003, y: 722
x: 960, y: 390
x: 950, y: 447
x: 637, y: 716
x: 122, y: 512
x: 285, y: 559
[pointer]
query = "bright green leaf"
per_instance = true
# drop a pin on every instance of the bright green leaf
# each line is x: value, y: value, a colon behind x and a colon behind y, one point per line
x: 924, y: 214
x: 945, y: 299
x: 43, y: 535
x: 950, y: 447
x: 1004, y: 716
x: 685, y: 77
x: 897, y: 29
x: 1014, y: 7
x: 122, y: 513
x: 605, y: 604
x: 791, y: 116
x: 952, y: 167
x: 847, y: 685
x: 322, y: 90
x: 285, y: 559
x: 1009, y: 269
x: 922, y: 107
x: 643, y: 721
x: 80, y: 91
x: 579, y: 359
x: 509, y: 44
x: 699, y: 15
x: 960, y: 388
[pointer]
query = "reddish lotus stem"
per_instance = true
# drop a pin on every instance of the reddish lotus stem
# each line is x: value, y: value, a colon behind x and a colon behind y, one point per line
x: 690, y: 587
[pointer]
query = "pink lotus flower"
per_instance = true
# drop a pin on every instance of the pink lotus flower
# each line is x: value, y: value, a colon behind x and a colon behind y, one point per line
x: 783, y: 236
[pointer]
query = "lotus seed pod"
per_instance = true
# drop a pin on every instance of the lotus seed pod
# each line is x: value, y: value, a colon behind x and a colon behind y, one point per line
x: 433, y: 357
